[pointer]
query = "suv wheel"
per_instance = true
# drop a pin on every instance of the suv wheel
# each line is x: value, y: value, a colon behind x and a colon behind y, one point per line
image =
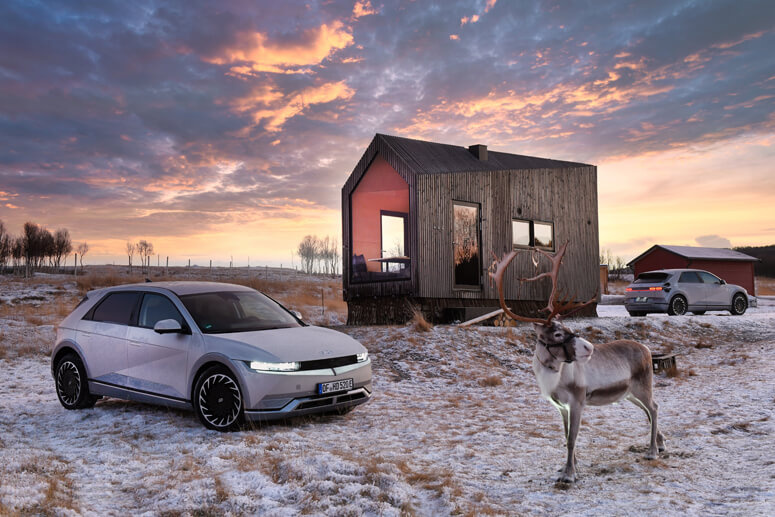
x: 218, y: 400
x: 72, y: 385
x: 739, y: 304
x: 677, y: 306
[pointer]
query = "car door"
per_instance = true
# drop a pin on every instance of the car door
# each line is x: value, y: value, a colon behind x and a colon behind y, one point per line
x: 158, y: 363
x: 689, y: 282
x: 102, y: 336
x: 717, y: 293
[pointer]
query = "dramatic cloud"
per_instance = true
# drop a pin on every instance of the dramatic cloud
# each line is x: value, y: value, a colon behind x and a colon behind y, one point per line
x: 714, y: 241
x: 197, y: 124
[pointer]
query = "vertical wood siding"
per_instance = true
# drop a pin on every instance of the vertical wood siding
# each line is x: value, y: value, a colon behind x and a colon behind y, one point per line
x: 566, y: 197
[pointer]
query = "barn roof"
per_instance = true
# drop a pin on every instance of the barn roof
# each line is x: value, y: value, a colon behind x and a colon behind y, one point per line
x: 424, y: 157
x: 700, y: 253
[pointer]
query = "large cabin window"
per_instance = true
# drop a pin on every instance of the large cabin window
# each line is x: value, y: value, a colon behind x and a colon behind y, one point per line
x: 379, y: 213
x: 466, y: 246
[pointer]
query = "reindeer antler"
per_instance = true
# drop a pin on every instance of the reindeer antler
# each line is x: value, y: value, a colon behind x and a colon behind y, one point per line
x: 555, y: 306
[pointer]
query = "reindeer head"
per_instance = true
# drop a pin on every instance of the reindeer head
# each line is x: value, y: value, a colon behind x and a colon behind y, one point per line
x: 559, y: 341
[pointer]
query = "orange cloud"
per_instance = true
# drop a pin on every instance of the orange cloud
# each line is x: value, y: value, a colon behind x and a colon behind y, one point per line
x: 267, y: 103
x: 254, y: 52
x: 362, y: 8
x: 730, y: 44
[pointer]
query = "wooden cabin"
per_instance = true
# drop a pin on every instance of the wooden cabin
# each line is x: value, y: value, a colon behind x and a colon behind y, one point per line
x: 421, y: 221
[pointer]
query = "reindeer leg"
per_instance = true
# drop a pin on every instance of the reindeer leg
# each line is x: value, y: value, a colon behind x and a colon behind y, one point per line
x: 565, y: 415
x: 574, y: 421
x: 657, y: 443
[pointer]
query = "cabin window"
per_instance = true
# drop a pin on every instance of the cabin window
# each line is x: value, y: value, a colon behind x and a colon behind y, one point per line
x: 379, y: 211
x: 466, y: 246
x: 393, y: 257
x: 532, y: 234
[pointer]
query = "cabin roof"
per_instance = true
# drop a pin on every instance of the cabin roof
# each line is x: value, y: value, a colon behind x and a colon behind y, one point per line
x: 424, y: 157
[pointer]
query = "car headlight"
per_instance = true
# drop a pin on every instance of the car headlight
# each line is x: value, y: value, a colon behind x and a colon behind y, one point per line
x: 261, y: 366
x: 362, y: 357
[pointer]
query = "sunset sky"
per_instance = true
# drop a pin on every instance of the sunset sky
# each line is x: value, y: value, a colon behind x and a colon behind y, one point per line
x: 227, y: 128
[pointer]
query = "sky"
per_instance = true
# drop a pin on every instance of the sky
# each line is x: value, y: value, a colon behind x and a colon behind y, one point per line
x: 220, y: 130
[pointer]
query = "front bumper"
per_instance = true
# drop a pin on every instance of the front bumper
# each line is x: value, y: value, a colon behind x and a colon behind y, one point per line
x: 279, y: 395
x: 313, y: 404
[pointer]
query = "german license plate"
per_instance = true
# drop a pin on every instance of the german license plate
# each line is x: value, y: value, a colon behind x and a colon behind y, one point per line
x: 642, y: 299
x: 333, y: 386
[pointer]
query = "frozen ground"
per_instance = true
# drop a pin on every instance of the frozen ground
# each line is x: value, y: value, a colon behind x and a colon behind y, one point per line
x: 456, y: 427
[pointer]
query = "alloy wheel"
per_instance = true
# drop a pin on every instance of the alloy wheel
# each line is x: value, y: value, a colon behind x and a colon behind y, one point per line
x: 220, y: 401
x: 68, y: 383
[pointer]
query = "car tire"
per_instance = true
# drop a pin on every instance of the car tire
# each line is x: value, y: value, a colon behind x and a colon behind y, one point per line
x: 218, y: 401
x: 698, y: 313
x: 677, y: 306
x: 71, y: 383
x: 739, y: 304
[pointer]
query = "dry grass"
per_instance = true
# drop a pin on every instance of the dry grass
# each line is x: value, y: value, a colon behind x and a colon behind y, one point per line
x: 765, y: 286
x: 491, y: 381
x: 418, y: 321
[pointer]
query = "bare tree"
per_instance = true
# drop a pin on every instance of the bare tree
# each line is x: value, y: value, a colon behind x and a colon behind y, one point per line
x: 308, y: 249
x: 130, y: 251
x: 63, y: 246
x: 145, y: 250
x: 334, y: 256
x: 5, y: 247
x: 82, y: 250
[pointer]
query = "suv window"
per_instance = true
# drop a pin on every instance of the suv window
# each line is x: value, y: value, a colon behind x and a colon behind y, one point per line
x: 708, y: 278
x: 689, y: 277
x: 157, y: 307
x: 651, y: 278
x: 116, y: 308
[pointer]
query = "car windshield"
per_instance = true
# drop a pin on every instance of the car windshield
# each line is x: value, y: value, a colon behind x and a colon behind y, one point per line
x: 236, y: 311
x: 651, y: 278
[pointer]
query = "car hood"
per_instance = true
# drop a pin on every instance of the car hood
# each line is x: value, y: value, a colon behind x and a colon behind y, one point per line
x: 281, y: 345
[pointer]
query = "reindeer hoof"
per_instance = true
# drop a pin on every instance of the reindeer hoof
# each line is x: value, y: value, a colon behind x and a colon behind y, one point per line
x: 651, y: 456
x: 565, y: 478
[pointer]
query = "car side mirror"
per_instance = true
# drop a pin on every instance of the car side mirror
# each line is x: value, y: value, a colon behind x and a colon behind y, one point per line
x: 297, y: 314
x: 169, y: 326
x: 723, y: 282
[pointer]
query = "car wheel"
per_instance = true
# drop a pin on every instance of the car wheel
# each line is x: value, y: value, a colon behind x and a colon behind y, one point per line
x: 698, y: 313
x: 218, y: 400
x: 739, y: 304
x: 677, y: 306
x: 71, y: 384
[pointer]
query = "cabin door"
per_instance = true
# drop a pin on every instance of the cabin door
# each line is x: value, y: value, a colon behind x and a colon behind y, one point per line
x: 466, y: 246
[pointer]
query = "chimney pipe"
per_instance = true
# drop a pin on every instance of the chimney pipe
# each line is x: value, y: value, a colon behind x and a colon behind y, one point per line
x: 480, y: 151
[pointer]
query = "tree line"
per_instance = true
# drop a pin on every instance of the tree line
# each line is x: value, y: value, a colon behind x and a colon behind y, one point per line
x: 319, y: 255
x: 36, y: 248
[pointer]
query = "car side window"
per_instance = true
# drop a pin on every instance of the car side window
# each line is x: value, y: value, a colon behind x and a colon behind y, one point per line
x: 157, y: 307
x: 708, y: 278
x: 689, y: 277
x: 116, y: 308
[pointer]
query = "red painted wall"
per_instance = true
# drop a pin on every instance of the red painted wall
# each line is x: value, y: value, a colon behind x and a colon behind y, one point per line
x: 740, y: 273
x: 658, y: 259
x: 381, y: 188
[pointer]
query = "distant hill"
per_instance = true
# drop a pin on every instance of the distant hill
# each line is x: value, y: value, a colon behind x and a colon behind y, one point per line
x: 767, y: 256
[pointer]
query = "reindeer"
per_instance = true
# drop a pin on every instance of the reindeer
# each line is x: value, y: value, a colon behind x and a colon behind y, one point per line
x: 573, y: 373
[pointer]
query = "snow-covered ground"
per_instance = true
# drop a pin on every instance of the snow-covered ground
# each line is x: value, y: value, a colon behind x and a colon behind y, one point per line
x: 456, y: 427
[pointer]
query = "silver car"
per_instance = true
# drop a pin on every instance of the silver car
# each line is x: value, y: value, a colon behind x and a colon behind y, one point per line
x: 678, y: 291
x: 226, y: 351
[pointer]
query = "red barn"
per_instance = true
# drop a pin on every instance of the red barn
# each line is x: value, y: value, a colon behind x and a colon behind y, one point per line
x: 730, y: 265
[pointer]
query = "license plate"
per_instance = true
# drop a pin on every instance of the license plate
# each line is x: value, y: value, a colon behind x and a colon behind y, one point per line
x: 333, y: 386
x: 642, y: 299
